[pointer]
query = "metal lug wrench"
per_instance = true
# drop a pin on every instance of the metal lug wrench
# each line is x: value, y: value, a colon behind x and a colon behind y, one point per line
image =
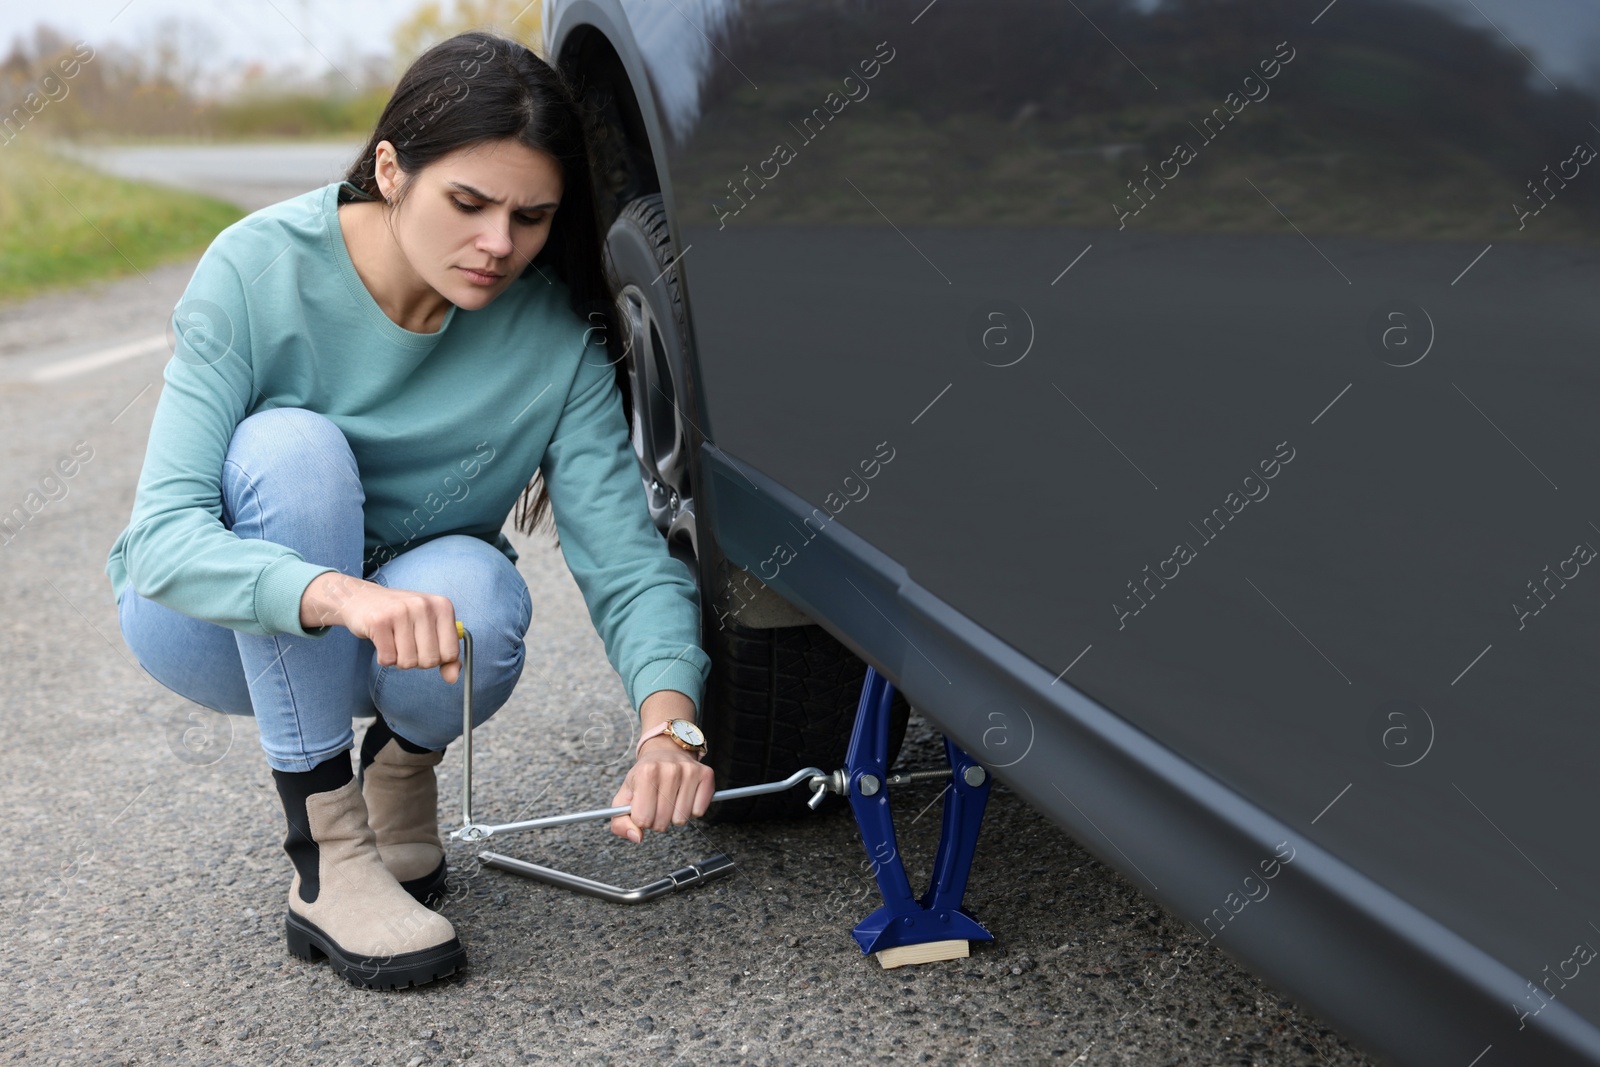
x: 683, y: 878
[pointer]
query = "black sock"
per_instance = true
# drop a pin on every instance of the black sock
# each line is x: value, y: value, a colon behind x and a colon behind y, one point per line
x: 378, y: 735
x: 293, y: 789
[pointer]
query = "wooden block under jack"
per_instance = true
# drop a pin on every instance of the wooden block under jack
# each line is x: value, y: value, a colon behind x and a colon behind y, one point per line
x: 928, y: 952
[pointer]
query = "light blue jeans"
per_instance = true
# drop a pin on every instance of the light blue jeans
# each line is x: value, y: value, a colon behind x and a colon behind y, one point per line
x: 290, y: 477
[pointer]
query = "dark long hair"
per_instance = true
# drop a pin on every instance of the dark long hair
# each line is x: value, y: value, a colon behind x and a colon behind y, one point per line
x: 477, y: 87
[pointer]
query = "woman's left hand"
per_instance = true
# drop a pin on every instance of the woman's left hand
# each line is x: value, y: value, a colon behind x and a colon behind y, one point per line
x: 667, y: 786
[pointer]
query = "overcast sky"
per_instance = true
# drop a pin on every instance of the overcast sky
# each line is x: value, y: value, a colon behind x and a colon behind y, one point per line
x: 1562, y: 36
x: 308, y: 35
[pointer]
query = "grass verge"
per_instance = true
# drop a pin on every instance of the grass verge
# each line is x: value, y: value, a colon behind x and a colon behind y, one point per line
x: 62, y: 224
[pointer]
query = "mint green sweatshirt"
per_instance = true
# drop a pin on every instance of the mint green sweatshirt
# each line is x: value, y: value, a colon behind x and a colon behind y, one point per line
x: 447, y: 428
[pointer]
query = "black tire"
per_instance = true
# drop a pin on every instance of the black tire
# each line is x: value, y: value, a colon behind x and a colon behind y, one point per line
x: 777, y: 699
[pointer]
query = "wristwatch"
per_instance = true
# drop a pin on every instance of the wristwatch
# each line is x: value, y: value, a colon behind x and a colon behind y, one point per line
x: 685, y: 733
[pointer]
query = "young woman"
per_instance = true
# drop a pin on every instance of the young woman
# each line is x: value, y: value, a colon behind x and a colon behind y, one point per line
x: 366, y: 379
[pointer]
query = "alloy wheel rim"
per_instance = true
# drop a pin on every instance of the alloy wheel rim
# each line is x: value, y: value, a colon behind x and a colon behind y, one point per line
x: 658, y: 431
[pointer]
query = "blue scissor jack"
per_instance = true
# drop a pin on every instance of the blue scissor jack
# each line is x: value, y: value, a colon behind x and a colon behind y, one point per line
x: 936, y: 925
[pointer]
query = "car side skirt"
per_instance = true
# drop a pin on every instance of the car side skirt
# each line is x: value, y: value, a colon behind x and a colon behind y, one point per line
x: 1395, y: 979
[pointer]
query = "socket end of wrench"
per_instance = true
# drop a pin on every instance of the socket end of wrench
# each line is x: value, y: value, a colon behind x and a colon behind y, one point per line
x: 716, y: 867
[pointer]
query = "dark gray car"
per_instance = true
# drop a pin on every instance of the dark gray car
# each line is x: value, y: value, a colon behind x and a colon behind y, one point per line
x: 1189, y: 405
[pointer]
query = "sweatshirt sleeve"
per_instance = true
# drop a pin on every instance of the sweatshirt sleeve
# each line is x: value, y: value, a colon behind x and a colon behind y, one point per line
x: 642, y: 601
x: 176, y: 550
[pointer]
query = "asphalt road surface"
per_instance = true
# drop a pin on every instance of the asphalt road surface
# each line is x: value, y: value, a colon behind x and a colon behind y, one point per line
x: 145, y: 882
x: 250, y: 175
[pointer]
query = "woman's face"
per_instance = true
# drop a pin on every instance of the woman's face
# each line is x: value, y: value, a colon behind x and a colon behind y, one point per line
x: 473, y: 219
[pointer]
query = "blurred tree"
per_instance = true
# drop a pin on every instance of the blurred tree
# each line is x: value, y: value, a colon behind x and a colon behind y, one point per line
x: 175, y: 53
x: 169, y: 81
x: 429, y: 24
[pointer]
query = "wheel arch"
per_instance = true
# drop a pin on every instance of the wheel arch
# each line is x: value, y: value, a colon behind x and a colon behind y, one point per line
x: 591, y: 43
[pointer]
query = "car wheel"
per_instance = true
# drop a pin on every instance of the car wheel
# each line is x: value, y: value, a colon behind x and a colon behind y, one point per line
x: 779, y: 698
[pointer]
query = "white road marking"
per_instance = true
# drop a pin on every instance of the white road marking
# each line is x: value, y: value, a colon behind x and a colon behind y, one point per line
x: 95, y: 360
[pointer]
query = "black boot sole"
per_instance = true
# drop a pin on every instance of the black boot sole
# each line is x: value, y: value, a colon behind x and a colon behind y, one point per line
x: 307, y: 941
x: 429, y: 890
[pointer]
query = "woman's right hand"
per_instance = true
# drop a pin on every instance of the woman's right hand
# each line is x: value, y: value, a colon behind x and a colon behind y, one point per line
x: 407, y: 629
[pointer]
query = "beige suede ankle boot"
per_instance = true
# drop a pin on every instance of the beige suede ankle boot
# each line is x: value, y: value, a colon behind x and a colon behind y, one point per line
x: 344, y: 904
x: 402, y: 796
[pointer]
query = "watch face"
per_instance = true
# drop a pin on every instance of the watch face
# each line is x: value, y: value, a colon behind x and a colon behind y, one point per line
x: 688, y: 732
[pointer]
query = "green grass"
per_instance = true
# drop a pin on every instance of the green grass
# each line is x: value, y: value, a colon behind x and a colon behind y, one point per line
x: 297, y: 115
x: 62, y: 224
